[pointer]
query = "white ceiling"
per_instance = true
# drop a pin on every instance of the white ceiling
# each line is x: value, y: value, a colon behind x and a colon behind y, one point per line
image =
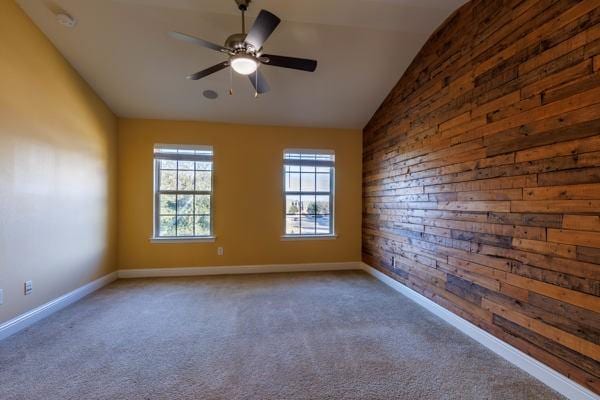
x: 122, y: 49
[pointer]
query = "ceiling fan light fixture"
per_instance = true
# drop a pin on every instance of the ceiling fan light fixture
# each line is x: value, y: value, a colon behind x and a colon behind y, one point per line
x: 243, y: 64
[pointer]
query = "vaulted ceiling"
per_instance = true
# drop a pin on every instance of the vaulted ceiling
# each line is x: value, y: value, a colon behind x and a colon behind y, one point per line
x: 122, y: 49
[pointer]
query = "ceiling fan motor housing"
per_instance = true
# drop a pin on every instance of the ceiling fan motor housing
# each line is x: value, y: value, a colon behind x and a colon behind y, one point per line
x: 236, y: 42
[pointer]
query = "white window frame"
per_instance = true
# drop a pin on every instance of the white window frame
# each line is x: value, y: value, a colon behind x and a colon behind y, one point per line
x: 156, y: 238
x: 300, y: 236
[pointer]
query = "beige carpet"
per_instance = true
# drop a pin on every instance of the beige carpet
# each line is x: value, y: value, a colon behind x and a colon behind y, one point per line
x: 339, y: 335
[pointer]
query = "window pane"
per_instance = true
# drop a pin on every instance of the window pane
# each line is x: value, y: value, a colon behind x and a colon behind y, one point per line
x: 202, y: 204
x: 292, y: 156
x: 203, y: 165
x: 185, y: 226
x: 183, y: 213
x: 167, y: 204
x: 307, y: 204
x: 185, y: 204
x: 308, y: 182
x: 325, y: 157
x: 292, y: 224
x: 292, y: 204
x: 168, y: 180
x: 165, y: 150
x: 203, y: 181
x: 323, y: 224
x: 185, y: 180
x: 322, y: 205
x: 168, y: 164
x: 185, y: 165
x: 166, y: 226
x: 308, y: 169
x: 202, y: 226
x: 292, y: 182
x: 315, y: 211
x: 307, y: 224
x: 323, y: 183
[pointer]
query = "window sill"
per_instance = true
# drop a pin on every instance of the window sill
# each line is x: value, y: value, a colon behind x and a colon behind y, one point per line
x: 308, y: 237
x: 183, y: 239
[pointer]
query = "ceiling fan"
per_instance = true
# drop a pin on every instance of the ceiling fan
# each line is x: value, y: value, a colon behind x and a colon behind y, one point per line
x: 245, y: 50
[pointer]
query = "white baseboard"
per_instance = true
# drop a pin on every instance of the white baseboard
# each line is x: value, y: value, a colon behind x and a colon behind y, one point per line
x: 542, y: 372
x: 24, y: 320
x: 240, y: 269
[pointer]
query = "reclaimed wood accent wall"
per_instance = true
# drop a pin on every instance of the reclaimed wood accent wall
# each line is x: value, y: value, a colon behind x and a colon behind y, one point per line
x: 481, y: 177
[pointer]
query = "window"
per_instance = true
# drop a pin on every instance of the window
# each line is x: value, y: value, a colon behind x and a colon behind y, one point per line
x: 309, y: 189
x: 183, y: 191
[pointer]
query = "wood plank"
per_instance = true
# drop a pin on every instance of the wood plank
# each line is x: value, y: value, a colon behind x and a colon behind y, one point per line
x: 557, y: 264
x: 572, y: 103
x: 565, y: 280
x: 567, y: 192
x: 588, y: 364
x: 578, y: 299
x: 588, y: 320
x: 543, y: 247
x: 551, y: 81
x: 582, y: 222
x: 496, y: 104
x: 588, y: 254
x: 563, y: 48
x: 569, y: 88
x: 576, y: 124
x: 570, y: 177
x: 505, y: 194
x: 503, y: 206
x: 559, y: 149
x: 573, y: 342
x: 580, y: 238
x: 555, y: 206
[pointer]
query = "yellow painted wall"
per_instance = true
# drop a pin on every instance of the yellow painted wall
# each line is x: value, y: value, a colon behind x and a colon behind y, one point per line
x: 57, y: 171
x: 248, y: 205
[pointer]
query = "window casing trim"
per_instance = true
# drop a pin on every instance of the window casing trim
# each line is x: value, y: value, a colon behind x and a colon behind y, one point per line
x: 319, y: 236
x: 194, y: 147
x: 183, y: 239
x: 157, y: 157
x: 317, y: 163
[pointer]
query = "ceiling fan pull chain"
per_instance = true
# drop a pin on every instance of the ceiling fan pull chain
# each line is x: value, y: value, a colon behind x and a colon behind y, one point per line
x: 230, y: 81
x: 256, y: 86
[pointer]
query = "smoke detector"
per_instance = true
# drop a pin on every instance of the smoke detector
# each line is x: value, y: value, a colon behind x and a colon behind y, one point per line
x: 66, y: 20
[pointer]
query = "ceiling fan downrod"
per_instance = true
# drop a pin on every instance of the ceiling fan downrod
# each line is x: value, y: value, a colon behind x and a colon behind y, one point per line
x: 243, y: 6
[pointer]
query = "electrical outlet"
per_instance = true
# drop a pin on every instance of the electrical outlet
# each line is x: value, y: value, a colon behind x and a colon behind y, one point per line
x: 219, y: 251
x: 28, y: 287
x: 1, y: 296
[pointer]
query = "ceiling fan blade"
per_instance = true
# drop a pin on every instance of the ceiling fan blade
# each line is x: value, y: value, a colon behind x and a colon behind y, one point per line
x: 259, y: 84
x: 303, y: 64
x: 264, y: 25
x: 198, y: 41
x: 208, y: 71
